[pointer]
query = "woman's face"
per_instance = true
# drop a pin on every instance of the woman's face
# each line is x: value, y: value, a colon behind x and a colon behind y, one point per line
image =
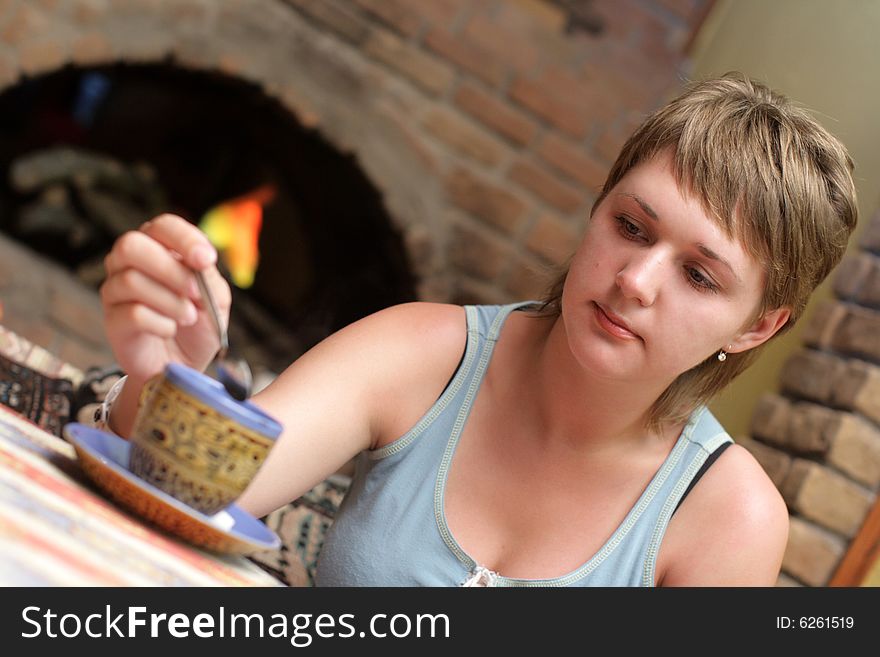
x: 656, y: 287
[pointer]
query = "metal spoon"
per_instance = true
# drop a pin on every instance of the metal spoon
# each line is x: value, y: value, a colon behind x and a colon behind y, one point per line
x: 233, y: 373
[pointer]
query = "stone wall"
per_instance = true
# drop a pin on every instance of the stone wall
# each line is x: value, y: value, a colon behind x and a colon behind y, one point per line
x: 819, y: 438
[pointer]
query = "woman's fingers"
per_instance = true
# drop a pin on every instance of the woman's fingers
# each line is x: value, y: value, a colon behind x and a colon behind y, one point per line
x: 151, y: 299
x: 132, y: 286
x: 179, y: 235
x: 137, y: 319
x: 153, y: 267
x: 138, y: 251
x: 167, y: 249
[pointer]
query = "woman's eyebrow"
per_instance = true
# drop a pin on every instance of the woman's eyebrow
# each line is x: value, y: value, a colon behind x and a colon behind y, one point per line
x: 642, y: 204
x: 709, y: 253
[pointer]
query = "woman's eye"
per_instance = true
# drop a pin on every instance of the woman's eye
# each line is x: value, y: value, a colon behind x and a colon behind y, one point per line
x: 696, y: 278
x: 628, y: 229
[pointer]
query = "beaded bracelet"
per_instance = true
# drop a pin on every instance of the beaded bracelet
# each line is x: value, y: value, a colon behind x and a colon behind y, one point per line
x: 102, y: 413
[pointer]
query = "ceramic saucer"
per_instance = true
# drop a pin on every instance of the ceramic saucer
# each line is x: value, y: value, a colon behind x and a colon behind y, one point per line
x: 104, y: 458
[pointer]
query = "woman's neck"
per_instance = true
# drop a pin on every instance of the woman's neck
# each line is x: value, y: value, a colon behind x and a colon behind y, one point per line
x: 575, y: 410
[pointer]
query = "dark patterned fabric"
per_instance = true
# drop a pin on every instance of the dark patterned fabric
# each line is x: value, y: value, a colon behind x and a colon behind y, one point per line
x: 44, y: 400
x: 45, y: 390
x: 302, y: 525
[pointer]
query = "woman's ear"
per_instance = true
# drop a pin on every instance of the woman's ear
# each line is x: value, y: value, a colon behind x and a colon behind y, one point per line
x: 762, y: 330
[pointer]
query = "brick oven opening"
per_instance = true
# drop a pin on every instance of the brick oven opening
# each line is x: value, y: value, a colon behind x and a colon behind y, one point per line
x: 89, y: 153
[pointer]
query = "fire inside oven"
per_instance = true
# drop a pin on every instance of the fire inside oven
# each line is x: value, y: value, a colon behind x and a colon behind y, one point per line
x: 304, y: 237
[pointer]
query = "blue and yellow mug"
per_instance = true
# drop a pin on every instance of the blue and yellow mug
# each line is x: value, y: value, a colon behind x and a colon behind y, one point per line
x: 197, y: 443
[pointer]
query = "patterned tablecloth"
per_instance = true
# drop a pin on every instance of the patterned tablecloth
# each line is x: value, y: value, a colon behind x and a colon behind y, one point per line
x: 56, y: 529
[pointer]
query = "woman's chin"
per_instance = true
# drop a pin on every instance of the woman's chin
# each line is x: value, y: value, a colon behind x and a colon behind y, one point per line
x: 606, y: 361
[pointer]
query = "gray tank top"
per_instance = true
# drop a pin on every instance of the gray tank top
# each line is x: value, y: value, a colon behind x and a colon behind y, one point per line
x: 391, y: 528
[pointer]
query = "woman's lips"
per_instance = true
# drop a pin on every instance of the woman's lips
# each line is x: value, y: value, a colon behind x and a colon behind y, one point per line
x: 614, y: 324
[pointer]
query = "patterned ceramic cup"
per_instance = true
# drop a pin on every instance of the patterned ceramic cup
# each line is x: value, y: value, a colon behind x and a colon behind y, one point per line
x: 192, y: 440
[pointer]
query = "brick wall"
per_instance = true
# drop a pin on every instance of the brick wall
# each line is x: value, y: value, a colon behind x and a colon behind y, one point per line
x: 486, y: 124
x: 44, y: 303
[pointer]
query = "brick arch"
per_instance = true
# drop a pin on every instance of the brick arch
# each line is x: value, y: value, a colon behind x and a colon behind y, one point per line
x: 262, y: 42
x: 487, y: 127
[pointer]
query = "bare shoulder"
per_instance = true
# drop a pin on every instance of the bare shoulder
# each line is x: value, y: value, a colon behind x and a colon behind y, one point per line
x: 731, y: 529
x: 419, y: 320
x: 418, y: 334
x: 413, y: 350
x: 397, y: 332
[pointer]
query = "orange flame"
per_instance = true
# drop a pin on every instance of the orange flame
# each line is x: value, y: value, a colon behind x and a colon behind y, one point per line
x: 234, y: 228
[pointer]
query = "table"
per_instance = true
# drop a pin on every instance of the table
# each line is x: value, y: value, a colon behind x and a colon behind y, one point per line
x: 56, y: 529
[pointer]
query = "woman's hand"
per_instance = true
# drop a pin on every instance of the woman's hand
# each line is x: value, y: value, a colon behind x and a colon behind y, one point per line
x: 153, y: 313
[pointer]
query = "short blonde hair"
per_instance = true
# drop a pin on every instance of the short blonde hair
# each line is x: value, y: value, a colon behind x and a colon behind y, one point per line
x: 770, y: 176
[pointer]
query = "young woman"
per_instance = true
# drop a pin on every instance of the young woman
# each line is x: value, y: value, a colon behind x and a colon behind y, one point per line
x: 563, y: 442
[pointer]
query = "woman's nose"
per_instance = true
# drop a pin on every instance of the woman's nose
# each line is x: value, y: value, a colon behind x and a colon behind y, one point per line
x: 640, y: 278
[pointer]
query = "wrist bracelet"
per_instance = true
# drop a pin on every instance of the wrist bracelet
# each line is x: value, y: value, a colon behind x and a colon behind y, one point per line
x: 102, y: 413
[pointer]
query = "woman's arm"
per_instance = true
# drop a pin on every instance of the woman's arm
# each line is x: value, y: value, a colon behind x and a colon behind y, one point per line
x: 353, y: 390
x: 362, y: 386
x: 731, y: 530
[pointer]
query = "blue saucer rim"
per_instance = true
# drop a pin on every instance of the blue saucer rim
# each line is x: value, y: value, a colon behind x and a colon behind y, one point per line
x: 80, y: 434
